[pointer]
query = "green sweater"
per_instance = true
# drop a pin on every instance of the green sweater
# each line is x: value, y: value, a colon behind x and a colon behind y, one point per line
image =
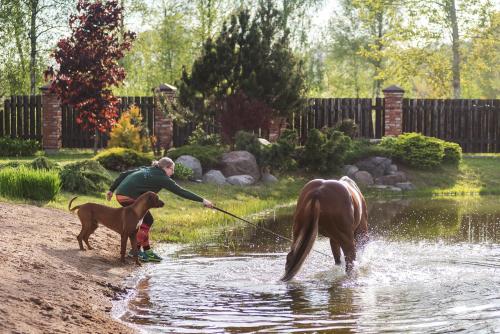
x: 135, y: 182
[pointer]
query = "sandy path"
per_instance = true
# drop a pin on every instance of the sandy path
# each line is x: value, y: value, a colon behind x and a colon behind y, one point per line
x: 46, y: 284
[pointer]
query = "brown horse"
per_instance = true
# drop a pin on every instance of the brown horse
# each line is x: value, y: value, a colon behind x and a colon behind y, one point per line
x: 335, y: 209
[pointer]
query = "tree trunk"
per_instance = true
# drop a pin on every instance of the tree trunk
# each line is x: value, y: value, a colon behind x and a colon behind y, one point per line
x: 378, y: 62
x: 33, y: 45
x: 455, y: 47
x: 96, y: 140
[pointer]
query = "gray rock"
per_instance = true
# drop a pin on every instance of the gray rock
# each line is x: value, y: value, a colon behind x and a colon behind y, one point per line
x: 240, y: 163
x: 405, y: 185
x: 269, y: 178
x: 349, y: 170
x: 240, y: 180
x: 391, y: 169
x: 376, y: 166
x: 215, y: 177
x: 363, y: 178
x: 191, y: 163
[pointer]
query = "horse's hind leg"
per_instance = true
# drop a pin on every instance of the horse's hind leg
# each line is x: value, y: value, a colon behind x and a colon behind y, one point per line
x: 349, y: 253
x: 335, y: 250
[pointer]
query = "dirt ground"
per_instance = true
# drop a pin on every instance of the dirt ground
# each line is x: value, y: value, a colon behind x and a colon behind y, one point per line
x: 47, y: 285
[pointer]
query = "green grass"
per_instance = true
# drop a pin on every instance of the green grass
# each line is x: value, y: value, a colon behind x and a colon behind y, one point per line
x: 186, y: 221
x: 29, y: 183
x: 63, y: 157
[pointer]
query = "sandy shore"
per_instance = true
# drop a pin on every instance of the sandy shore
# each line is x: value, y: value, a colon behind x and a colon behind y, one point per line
x: 47, y: 285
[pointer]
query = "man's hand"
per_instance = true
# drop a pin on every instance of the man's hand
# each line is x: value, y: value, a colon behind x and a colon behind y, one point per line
x: 207, y: 203
x: 109, y: 195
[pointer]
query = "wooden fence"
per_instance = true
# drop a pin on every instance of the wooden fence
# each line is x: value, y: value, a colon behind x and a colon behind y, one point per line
x: 73, y: 136
x: 21, y: 117
x: 474, y: 124
x: 327, y: 112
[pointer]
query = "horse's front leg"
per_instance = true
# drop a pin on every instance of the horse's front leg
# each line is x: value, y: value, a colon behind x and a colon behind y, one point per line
x: 335, y: 250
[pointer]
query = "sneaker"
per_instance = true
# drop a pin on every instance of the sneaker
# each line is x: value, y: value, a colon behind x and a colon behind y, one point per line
x: 142, y: 256
x: 152, y: 256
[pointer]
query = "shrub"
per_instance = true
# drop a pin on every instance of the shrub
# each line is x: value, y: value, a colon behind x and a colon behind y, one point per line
x: 209, y: 156
x: 43, y: 163
x: 280, y: 155
x: 22, y: 182
x: 452, y: 153
x: 182, y: 172
x: 120, y: 159
x: 347, y: 127
x: 362, y: 148
x: 325, y: 152
x: 18, y: 147
x: 200, y: 137
x: 247, y: 141
x: 416, y: 150
x: 85, y: 177
x: 130, y: 132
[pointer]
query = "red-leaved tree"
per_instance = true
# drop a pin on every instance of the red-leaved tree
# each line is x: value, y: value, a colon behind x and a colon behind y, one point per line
x: 88, y: 63
x: 240, y: 112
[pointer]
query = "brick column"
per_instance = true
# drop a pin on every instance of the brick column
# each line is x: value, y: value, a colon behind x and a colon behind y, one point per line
x: 51, y: 121
x: 163, y: 124
x: 393, y: 101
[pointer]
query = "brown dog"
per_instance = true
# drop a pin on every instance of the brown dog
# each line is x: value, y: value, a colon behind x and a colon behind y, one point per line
x: 335, y: 209
x: 125, y: 221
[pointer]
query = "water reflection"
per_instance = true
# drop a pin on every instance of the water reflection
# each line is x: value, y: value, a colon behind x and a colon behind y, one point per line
x: 432, y: 266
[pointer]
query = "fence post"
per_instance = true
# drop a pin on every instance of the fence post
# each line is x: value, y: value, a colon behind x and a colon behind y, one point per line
x: 163, y: 124
x: 393, y: 96
x: 51, y: 121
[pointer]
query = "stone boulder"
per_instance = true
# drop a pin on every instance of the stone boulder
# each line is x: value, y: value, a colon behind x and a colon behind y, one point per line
x: 391, y: 179
x: 215, y: 177
x: 191, y: 163
x: 240, y: 180
x: 363, y: 178
x: 405, y: 185
x: 376, y: 166
x: 240, y: 163
x: 269, y: 178
x: 349, y: 170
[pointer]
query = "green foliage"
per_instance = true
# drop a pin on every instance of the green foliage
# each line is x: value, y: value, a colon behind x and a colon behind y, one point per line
x: 200, y: 137
x: 362, y: 148
x: 452, y: 153
x: 85, y: 177
x: 22, y: 182
x: 250, y: 55
x: 182, y: 172
x: 18, y: 147
x: 209, y: 156
x: 43, y: 163
x: 419, y: 151
x: 246, y: 141
x: 130, y: 131
x: 325, y: 151
x: 347, y: 127
x: 280, y: 156
x: 120, y: 159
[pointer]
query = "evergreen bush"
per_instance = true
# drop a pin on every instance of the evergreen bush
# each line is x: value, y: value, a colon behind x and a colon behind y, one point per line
x: 130, y: 132
x: 43, y: 163
x: 347, y: 127
x: 18, y: 147
x: 247, y: 141
x: 452, y: 153
x: 85, y: 177
x: 416, y: 150
x: 200, y: 137
x: 120, y: 159
x: 325, y: 151
x: 27, y: 183
x: 280, y: 156
x: 182, y: 172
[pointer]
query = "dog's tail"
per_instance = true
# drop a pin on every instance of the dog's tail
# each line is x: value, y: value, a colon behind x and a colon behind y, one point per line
x: 305, y: 238
x: 69, y: 205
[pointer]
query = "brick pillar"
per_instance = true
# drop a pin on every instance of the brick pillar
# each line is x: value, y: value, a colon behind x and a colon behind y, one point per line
x: 163, y: 124
x: 393, y: 101
x: 51, y: 121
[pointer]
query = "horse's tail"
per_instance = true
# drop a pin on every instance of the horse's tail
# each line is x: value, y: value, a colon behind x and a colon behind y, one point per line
x: 69, y: 205
x: 305, y: 238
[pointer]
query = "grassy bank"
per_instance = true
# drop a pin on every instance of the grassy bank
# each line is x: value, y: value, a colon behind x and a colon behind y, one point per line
x: 186, y: 221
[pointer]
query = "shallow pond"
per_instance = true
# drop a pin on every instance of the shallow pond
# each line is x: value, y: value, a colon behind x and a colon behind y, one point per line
x: 432, y: 266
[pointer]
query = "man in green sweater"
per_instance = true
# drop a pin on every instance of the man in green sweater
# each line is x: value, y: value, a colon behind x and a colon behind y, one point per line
x: 132, y: 183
